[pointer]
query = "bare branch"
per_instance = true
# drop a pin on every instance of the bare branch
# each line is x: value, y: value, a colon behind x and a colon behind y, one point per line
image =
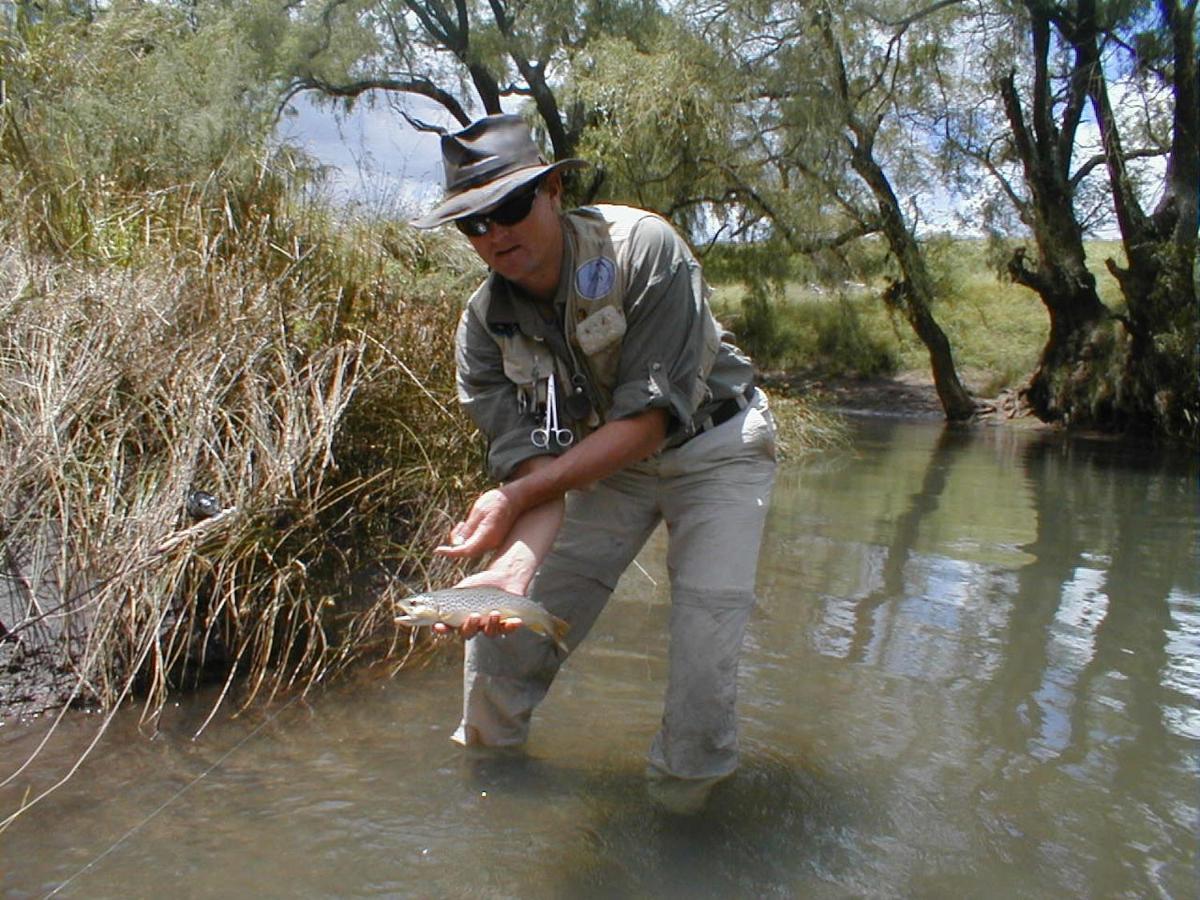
x: 420, y: 86
x: 1099, y: 159
x: 912, y: 18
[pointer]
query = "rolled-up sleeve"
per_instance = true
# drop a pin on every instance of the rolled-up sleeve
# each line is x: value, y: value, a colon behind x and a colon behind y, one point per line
x: 490, y: 399
x: 663, y: 347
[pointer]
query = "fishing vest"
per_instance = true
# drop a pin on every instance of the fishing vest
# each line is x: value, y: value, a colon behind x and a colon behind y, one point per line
x: 593, y: 319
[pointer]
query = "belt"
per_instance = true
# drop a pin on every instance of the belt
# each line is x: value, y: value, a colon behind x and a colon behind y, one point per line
x: 726, y: 410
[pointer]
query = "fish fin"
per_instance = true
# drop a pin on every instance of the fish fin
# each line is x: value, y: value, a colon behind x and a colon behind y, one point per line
x: 558, y: 631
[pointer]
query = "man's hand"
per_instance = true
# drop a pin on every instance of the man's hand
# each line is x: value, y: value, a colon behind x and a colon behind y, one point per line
x: 487, y: 525
x: 491, y: 625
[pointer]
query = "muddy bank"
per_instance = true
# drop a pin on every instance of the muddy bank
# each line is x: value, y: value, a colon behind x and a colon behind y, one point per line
x: 32, y: 682
x: 900, y: 396
x: 905, y: 395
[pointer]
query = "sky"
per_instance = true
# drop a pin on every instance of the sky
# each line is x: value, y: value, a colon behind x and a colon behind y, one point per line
x: 377, y: 160
x: 379, y: 163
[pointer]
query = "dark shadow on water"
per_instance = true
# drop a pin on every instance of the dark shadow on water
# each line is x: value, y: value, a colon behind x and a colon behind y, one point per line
x: 775, y: 824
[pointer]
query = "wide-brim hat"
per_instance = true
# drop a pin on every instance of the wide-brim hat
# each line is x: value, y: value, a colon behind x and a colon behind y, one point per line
x: 484, y: 163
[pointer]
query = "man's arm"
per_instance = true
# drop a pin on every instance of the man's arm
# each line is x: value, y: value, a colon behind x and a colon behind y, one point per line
x: 527, y: 512
x: 516, y: 560
x: 608, y: 449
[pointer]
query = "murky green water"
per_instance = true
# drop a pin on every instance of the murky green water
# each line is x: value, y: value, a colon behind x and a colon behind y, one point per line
x: 975, y: 672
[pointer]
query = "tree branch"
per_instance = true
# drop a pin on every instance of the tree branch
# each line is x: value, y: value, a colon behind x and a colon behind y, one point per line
x: 420, y: 86
x: 911, y: 18
x: 1100, y: 159
x: 1019, y: 272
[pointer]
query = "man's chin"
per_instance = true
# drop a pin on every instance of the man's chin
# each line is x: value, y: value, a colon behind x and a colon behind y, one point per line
x: 510, y: 266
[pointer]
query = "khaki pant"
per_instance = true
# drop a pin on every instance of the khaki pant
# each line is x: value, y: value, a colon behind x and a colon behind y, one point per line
x: 713, y: 494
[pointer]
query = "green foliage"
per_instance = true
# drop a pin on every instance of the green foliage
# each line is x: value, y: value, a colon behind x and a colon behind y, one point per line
x: 726, y: 263
x: 997, y: 329
x: 319, y: 40
x: 656, y: 122
x: 844, y: 343
x: 806, y: 328
x: 137, y: 99
x: 115, y: 122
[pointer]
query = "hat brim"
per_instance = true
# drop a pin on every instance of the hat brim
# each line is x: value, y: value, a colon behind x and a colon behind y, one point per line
x: 487, y: 196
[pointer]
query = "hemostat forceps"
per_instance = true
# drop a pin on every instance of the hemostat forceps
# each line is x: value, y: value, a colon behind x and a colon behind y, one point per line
x: 541, y: 437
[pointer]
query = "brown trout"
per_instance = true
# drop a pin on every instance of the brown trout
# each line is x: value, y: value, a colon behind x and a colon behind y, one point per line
x: 451, y: 606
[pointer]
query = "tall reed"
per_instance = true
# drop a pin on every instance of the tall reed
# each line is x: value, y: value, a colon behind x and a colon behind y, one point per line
x: 298, y: 371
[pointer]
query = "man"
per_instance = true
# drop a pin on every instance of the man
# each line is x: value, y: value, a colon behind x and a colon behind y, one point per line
x: 591, y: 360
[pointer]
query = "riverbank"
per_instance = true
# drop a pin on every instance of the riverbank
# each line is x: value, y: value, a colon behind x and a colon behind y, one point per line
x: 908, y: 394
x: 35, y: 683
x: 32, y: 684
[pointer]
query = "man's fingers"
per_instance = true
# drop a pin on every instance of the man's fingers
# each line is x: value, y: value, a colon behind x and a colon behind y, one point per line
x: 455, y: 540
x: 472, y: 625
x: 466, y: 540
x: 496, y: 626
x: 493, y: 626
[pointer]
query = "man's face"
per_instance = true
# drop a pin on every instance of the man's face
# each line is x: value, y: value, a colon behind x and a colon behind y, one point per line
x: 529, y: 252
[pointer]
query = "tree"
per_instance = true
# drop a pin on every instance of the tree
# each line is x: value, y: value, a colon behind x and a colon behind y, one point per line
x: 1115, y: 369
x: 822, y: 113
x: 463, y: 56
x: 1044, y: 143
x: 913, y: 293
x: 810, y: 125
x: 128, y: 99
x: 1159, y: 280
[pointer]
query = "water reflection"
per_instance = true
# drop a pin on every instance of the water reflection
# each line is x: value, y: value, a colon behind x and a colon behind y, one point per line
x: 900, y: 534
x: 976, y: 670
x: 1020, y: 624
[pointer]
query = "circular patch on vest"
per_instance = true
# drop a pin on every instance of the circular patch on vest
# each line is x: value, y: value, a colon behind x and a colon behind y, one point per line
x: 595, y: 278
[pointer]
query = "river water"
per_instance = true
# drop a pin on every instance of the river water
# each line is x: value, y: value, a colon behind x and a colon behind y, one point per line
x: 975, y: 672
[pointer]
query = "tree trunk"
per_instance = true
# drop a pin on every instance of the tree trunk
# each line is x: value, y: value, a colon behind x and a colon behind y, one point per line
x: 1158, y: 282
x: 1058, y: 390
x: 913, y: 295
x: 1119, y: 373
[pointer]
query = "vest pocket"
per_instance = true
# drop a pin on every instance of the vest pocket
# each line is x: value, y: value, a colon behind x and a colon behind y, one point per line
x: 525, y: 361
x: 600, y: 330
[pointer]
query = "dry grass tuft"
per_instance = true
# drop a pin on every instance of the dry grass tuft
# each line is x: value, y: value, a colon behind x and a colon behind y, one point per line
x: 299, y: 373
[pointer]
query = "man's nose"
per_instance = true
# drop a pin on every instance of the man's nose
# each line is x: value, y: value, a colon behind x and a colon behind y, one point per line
x: 497, y: 231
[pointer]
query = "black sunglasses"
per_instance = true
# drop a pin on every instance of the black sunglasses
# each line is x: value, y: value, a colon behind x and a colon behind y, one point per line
x: 510, y: 212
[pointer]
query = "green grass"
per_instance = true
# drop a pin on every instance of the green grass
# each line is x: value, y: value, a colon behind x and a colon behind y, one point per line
x: 996, y: 328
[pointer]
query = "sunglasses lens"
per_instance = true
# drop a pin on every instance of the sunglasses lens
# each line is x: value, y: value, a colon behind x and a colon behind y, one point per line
x: 513, y: 211
x: 510, y: 212
x: 473, y: 226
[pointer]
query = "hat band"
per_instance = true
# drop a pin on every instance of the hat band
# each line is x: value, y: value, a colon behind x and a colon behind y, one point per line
x: 483, y: 173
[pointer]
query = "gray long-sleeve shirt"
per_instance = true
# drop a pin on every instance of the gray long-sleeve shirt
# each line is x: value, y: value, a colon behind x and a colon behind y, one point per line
x: 661, y: 351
